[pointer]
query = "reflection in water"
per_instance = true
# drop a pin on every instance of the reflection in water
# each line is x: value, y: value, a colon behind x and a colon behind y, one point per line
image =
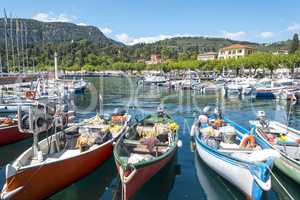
x: 214, y: 186
x: 158, y: 187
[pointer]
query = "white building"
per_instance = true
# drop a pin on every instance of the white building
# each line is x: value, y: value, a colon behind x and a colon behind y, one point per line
x: 207, y: 56
x: 281, y: 52
x: 235, y: 51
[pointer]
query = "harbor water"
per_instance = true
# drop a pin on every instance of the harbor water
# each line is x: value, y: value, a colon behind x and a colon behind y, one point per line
x: 186, y: 176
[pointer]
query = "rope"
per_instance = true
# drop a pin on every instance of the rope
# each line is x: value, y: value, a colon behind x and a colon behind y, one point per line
x: 281, y: 185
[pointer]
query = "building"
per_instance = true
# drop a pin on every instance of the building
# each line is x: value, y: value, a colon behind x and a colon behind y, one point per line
x: 235, y: 51
x: 281, y: 52
x: 207, y: 56
x: 154, y: 59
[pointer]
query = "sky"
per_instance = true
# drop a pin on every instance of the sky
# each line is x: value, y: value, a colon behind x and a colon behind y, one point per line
x: 134, y: 21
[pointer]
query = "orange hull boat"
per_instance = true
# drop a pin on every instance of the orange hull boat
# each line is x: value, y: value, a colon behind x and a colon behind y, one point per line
x: 41, y: 181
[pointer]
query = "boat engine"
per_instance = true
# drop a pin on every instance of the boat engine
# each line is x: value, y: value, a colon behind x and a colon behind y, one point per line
x: 262, y: 119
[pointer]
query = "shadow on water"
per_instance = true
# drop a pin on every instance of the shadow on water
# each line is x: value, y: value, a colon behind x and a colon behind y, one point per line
x: 158, y: 187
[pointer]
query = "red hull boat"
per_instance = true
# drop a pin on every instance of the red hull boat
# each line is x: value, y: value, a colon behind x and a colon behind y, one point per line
x: 135, y: 161
x: 141, y: 176
x: 11, y: 134
x: 62, y: 159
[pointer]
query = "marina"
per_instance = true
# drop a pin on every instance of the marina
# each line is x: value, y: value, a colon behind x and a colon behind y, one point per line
x: 151, y: 100
x: 184, y: 106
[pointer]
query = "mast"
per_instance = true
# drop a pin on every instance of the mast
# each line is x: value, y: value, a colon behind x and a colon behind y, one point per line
x: 18, y: 49
x: 12, y: 41
x: 6, y: 45
x: 22, y: 45
x: 55, y: 66
x: 26, y: 45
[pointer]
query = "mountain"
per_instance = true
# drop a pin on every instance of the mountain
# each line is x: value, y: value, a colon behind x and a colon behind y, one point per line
x: 54, y: 32
x: 200, y: 43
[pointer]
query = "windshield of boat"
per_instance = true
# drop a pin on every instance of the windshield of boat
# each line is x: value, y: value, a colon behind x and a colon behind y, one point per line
x: 265, y: 84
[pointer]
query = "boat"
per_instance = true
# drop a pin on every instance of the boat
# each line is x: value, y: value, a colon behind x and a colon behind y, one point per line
x: 63, y: 157
x: 270, y: 89
x: 154, y: 79
x: 209, y: 88
x: 285, y: 140
x: 144, y: 150
x: 234, y: 153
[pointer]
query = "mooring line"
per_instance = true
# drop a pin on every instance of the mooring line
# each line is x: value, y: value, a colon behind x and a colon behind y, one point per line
x: 281, y: 185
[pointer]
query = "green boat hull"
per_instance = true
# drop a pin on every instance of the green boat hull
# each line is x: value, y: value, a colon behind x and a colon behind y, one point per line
x: 289, y: 168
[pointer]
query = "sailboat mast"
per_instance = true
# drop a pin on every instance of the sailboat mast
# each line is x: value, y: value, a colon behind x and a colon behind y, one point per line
x: 22, y: 45
x: 6, y: 45
x: 18, y: 49
x: 12, y: 41
x: 26, y: 45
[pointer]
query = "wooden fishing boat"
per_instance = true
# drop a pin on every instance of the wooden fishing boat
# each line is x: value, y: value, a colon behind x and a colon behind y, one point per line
x: 285, y: 140
x: 144, y: 149
x: 234, y: 154
x: 62, y: 158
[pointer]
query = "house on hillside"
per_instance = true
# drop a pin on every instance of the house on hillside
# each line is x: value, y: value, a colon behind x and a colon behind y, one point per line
x: 207, y: 56
x: 154, y: 59
x: 235, y: 51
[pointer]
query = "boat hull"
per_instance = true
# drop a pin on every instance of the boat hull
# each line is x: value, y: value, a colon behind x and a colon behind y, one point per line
x: 289, y: 168
x: 232, y: 172
x: 142, y: 175
x: 41, y: 181
x: 11, y: 134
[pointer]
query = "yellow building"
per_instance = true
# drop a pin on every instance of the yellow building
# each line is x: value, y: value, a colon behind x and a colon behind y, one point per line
x: 235, y: 51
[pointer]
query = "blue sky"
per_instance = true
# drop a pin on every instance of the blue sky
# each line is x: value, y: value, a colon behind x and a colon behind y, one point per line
x: 133, y: 21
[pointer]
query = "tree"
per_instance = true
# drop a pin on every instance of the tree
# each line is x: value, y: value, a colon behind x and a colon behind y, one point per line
x: 295, y: 44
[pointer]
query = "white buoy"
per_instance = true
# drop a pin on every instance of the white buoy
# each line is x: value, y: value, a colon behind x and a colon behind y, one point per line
x: 179, y: 144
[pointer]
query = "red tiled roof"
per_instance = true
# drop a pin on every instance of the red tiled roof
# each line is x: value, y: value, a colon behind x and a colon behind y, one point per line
x: 236, y: 46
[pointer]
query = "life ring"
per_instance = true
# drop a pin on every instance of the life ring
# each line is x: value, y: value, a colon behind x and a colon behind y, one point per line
x: 248, y: 141
x: 30, y: 94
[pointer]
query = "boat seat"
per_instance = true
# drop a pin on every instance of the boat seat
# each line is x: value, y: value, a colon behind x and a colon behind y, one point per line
x: 227, y: 150
x: 142, y: 149
x: 136, y: 142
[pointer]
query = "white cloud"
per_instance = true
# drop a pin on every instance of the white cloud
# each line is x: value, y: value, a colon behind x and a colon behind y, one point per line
x: 82, y: 24
x: 124, y: 38
x: 266, y: 34
x: 106, y: 30
x: 150, y: 39
x: 294, y: 28
x: 51, y: 17
x: 234, y: 35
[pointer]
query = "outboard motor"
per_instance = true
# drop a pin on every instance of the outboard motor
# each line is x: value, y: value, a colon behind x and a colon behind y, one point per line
x: 206, y: 110
x: 262, y: 119
x: 218, y: 113
x: 160, y: 111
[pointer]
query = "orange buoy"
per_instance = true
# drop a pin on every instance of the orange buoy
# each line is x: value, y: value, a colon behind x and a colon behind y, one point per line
x: 30, y: 94
x: 248, y: 141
